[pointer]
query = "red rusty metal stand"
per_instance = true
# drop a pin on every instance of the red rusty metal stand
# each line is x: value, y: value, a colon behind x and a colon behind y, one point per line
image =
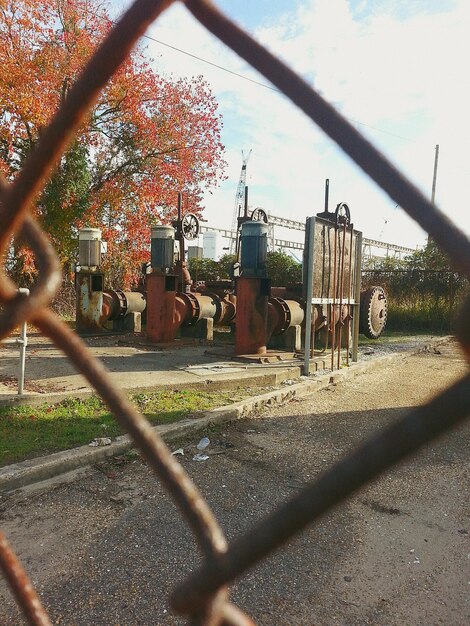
x: 252, y: 315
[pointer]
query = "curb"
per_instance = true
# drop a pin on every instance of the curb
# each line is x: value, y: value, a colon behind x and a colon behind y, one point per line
x: 277, y: 376
x: 31, y: 471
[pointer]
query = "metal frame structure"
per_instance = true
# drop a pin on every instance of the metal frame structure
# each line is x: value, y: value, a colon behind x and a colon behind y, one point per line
x: 232, y: 235
x: 308, y: 281
x: 332, y: 287
x: 204, y: 596
x: 367, y: 244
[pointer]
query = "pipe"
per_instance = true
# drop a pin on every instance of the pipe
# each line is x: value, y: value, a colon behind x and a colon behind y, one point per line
x: 225, y: 300
x: 252, y: 315
x: 227, y: 308
x: 181, y: 243
x: 117, y: 304
x: 307, y: 275
x: 283, y: 314
x: 23, y: 342
x: 190, y: 308
x: 341, y: 285
x: 90, y: 312
x: 161, y: 294
x: 348, y: 327
x: 333, y: 307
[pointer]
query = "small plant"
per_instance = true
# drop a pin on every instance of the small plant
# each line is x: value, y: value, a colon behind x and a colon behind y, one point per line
x: 27, y: 431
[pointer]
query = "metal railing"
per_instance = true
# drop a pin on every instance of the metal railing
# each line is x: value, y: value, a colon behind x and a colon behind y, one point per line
x: 367, y: 244
x: 204, y: 597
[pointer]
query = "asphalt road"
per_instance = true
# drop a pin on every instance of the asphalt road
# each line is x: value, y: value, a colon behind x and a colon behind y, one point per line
x: 110, y: 546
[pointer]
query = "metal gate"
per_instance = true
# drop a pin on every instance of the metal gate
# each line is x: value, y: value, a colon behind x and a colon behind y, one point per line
x: 204, y: 597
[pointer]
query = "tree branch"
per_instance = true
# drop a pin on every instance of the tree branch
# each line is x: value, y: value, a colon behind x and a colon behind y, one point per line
x: 155, y: 154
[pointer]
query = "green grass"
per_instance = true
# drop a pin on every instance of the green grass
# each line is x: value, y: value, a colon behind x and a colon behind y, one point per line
x: 395, y: 336
x: 420, y: 317
x: 27, y: 431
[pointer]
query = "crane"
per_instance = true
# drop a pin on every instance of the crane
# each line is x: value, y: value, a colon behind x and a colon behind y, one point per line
x: 239, y: 198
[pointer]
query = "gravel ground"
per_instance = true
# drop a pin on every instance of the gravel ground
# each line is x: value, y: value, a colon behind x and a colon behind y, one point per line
x: 109, y: 547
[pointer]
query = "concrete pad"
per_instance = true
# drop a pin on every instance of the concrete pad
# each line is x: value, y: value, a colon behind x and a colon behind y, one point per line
x: 133, y: 364
x: 44, y: 468
x: 136, y: 365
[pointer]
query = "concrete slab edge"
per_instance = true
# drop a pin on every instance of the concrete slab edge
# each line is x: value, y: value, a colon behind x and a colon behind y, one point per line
x: 209, y: 384
x: 24, y: 473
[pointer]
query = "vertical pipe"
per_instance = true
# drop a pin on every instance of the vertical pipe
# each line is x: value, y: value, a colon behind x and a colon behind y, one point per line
x: 349, y: 293
x: 180, y: 241
x: 252, y: 316
x: 308, y: 277
x: 328, y: 312
x: 333, y: 302
x: 327, y: 336
x: 327, y: 193
x: 23, y: 341
x: 340, y: 286
x: 357, y: 296
x: 161, y: 308
x: 312, y: 351
x: 246, y: 201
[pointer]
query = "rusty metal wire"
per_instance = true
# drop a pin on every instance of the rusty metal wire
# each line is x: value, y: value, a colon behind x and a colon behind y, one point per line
x: 204, y: 596
x: 21, y: 585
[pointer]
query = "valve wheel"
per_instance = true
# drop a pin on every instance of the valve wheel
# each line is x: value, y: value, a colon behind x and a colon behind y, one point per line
x: 373, y: 314
x: 190, y: 226
x: 342, y: 214
x: 259, y: 215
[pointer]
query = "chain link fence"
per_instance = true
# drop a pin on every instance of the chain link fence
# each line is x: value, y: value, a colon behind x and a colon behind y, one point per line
x: 204, y: 597
x: 419, y: 300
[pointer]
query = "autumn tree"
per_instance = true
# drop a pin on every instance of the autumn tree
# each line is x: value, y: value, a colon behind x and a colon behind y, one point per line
x: 147, y: 138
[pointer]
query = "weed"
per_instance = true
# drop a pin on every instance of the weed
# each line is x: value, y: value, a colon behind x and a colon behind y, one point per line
x: 419, y: 300
x: 27, y: 431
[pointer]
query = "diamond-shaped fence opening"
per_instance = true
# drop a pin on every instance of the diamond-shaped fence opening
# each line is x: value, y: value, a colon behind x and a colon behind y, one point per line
x: 204, y: 596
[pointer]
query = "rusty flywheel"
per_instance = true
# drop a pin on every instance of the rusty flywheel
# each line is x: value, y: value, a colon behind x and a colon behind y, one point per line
x: 373, y: 316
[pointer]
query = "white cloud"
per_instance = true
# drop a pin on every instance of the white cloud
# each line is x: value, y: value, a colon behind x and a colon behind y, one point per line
x: 402, y: 74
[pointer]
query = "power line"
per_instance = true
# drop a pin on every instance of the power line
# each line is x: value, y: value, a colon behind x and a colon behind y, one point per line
x: 219, y: 67
x: 194, y: 56
x: 380, y: 130
x: 242, y: 76
x: 256, y: 82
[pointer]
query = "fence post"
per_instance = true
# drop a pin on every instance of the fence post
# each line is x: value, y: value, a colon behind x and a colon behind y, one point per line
x: 23, y: 342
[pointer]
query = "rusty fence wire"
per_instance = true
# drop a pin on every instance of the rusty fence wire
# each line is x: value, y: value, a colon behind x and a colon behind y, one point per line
x: 204, y: 596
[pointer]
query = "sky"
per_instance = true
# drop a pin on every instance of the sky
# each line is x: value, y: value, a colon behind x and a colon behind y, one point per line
x: 397, y: 70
